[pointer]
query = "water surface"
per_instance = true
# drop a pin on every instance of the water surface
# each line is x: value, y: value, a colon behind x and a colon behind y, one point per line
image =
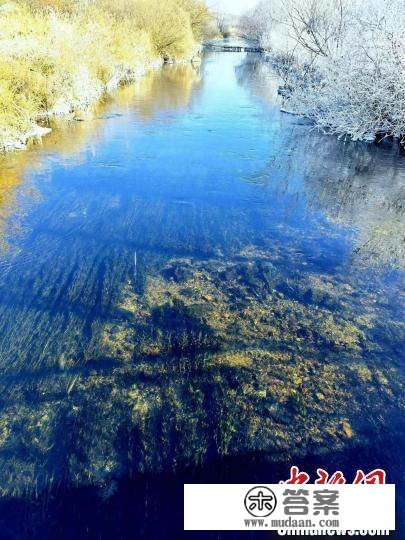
x: 193, y: 286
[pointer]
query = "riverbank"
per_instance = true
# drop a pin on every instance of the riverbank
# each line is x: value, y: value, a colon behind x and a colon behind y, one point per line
x: 60, y: 56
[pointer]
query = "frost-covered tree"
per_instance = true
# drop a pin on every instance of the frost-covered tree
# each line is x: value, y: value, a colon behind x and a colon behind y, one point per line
x: 342, y: 62
x: 257, y: 23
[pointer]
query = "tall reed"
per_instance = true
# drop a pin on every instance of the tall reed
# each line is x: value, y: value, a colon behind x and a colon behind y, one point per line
x: 59, y: 55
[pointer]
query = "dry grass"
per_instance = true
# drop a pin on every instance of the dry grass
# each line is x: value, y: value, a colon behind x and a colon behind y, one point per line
x: 59, y: 55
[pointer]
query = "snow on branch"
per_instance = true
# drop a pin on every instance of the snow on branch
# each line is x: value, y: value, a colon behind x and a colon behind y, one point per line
x: 342, y: 61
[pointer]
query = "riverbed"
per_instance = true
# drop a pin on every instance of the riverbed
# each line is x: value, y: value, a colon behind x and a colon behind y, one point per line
x: 194, y: 286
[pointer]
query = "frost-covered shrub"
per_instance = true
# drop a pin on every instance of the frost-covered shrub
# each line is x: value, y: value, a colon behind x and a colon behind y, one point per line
x: 343, y: 62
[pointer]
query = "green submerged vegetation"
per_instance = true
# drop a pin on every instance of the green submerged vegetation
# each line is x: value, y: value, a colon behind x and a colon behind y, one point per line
x: 204, y: 359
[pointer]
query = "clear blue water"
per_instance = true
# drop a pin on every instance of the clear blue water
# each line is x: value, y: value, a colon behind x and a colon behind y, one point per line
x: 193, y: 286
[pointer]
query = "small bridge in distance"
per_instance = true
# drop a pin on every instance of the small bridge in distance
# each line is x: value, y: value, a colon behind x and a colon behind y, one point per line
x: 233, y: 48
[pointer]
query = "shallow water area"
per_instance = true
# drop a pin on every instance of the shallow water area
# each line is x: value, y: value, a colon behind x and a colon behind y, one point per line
x: 193, y: 286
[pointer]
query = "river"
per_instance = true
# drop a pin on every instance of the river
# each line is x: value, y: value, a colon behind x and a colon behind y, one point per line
x: 194, y: 286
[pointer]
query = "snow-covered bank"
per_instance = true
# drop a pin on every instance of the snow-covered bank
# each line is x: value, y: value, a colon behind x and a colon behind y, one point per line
x: 61, y: 56
x: 68, y: 108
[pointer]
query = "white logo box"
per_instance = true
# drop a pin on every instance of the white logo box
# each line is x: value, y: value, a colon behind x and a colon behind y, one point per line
x: 221, y: 507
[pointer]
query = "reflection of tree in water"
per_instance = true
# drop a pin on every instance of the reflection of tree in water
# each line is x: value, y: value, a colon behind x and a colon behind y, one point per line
x: 361, y: 187
x: 9, y: 179
x: 364, y: 188
x: 355, y: 185
x: 12, y: 168
x: 257, y: 77
x: 171, y: 89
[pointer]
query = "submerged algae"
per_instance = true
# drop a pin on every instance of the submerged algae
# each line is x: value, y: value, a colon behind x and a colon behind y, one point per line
x: 145, y: 347
x: 206, y: 358
x: 237, y: 302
